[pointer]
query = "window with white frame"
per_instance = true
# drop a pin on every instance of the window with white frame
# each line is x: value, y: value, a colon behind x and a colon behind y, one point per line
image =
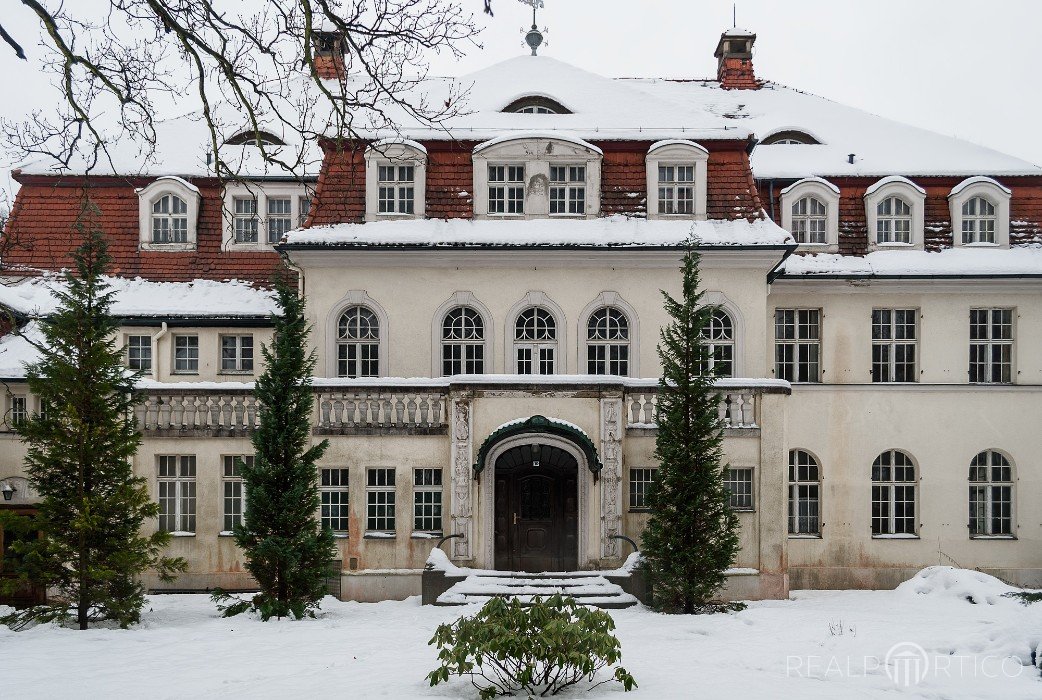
x: 809, y: 221
x: 893, y: 221
x: 810, y: 212
x: 395, y: 180
x: 244, y: 218
x: 978, y: 221
x: 641, y: 479
x: 608, y: 342
x: 139, y: 353
x: 427, y: 493
x: 567, y: 190
x: 980, y: 211
x: 894, y: 345
x: 894, y: 212
x: 676, y: 189
x: 168, y: 210
x: 186, y: 354
x: 257, y: 215
x: 719, y: 338
x: 233, y: 501
x: 169, y: 220
x: 797, y: 345
x: 506, y: 189
x: 804, y: 494
x: 397, y: 189
x: 463, y: 342
x: 18, y: 413
x: 739, y: 481
x: 535, y: 109
x: 677, y: 177
x: 303, y: 210
x: 894, y: 494
x: 535, y: 341
x: 236, y: 353
x: 176, y: 475
x: 991, y: 495
x: 380, y: 501
x: 335, y: 511
x: 280, y: 217
x: 991, y: 346
x: 358, y: 343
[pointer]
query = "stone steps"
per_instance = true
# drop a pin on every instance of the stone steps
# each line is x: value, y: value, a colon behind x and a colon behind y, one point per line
x: 587, y: 587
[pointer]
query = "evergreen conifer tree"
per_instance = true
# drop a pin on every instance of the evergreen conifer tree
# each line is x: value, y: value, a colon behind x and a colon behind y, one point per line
x: 286, y: 551
x: 91, y: 550
x: 692, y: 533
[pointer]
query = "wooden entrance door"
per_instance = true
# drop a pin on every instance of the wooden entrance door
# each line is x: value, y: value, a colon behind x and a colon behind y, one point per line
x: 536, y: 510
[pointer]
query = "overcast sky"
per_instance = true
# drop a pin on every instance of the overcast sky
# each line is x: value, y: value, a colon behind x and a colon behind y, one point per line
x: 959, y: 67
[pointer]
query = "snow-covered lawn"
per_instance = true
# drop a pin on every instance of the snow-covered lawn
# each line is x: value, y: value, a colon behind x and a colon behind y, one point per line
x: 828, y: 644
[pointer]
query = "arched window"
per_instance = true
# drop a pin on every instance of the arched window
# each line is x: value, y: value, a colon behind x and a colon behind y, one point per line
x: 893, y: 221
x: 608, y: 342
x: 893, y: 494
x: 804, y: 494
x: 463, y: 342
x: 535, y: 109
x: 719, y: 337
x: 991, y: 495
x: 169, y: 220
x: 978, y: 221
x: 809, y: 221
x: 535, y: 341
x: 358, y: 343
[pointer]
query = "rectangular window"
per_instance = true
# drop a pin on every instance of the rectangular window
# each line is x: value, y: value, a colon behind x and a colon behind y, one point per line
x: 893, y: 509
x: 379, y: 500
x: 991, y: 346
x: 19, y: 412
x: 608, y: 359
x: 177, y: 493
x: 186, y: 354
x: 245, y: 218
x: 397, y: 189
x: 236, y: 353
x: 335, y: 502
x: 535, y: 359
x: 567, y: 190
x: 233, y: 502
x: 303, y: 210
x: 797, y: 345
x: 139, y: 352
x: 506, y: 189
x: 463, y: 358
x: 280, y: 217
x: 358, y: 360
x: 740, y: 483
x: 991, y: 509
x: 641, y: 480
x: 676, y: 189
x: 894, y: 337
x: 427, y: 501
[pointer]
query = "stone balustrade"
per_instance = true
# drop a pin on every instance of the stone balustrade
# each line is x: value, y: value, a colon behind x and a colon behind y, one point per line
x: 376, y: 408
x: 739, y: 407
x: 223, y: 411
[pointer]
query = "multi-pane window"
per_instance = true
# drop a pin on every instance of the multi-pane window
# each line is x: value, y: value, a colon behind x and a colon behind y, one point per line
x: 893, y: 494
x: 397, y: 189
x: 379, y: 500
x: 358, y: 343
x: 535, y: 109
x: 991, y: 495
x: 608, y: 342
x: 169, y: 220
x: 535, y: 341
x: 568, y: 189
x: 804, y: 494
x: 719, y: 338
x: 506, y: 189
x: 236, y: 353
x: 333, y: 488
x: 676, y: 189
x: 232, y: 495
x: 893, y: 221
x: 978, y: 221
x: 280, y: 217
x: 176, y: 493
x: 797, y: 344
x: 245, y: 219
x: 739, y: 481
x: 19, y: 412
x: 427, y: 500
x: 462, y: 342
x: 139, y: 352
x: 894, y: 336
x: 304, y: 209
x: 809, y: 220
x: 641, y: 479
x: 186, y: 353
x: 991, y: 346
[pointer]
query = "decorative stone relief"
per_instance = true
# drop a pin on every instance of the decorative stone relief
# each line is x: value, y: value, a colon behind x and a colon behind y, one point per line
x: 611, y: 476
x: 462, y: 503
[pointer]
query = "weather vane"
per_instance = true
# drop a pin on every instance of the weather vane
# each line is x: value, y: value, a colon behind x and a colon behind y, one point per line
x: 534, y: 37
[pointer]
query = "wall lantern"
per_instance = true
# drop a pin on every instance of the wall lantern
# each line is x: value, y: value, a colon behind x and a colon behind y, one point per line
x: 8, y: 491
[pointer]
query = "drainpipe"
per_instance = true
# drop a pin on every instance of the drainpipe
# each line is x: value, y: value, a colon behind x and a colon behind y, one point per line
x: 155, y: 349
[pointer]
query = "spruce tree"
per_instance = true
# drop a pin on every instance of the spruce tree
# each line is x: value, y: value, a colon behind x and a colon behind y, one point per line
x: 691, y: 536
x: 91, y: 550
x: 286, y: 551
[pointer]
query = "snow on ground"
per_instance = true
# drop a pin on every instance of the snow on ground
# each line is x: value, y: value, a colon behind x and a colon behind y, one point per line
x: 820, y: 644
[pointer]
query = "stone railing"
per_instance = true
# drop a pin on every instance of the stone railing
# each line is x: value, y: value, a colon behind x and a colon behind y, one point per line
x: 390, y: 408
x: 223, y: 410
x: 739, y: 406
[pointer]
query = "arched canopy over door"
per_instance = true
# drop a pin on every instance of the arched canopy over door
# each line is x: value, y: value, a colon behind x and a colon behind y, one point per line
x: 540, y: 425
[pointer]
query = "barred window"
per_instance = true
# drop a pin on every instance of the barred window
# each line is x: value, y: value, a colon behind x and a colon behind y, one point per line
x: 567, y: 190
x: 463, y: 342
x: 797, y: 345
x: 169, y: 220
x: 719, y: 338
x: 740, y: 483
x: 608, y: 342
x: 804, y: 494
x: 334, y: 491
x: 893, y: 221
x: 186, y: 354
x: 358, y: 343
x: 19, y: 412
x: 978, y: 221
x: 893, y: 494
x: 809, y: 220
x: 506, y: 189
x: 427, y: 492
x: 233, y: 501
x: 991, y: 346
x: 236, y: 353
x: 176, y: 493
x: 535, y: 341
x: 641, y: 479
x: 894, y: 337
x: 379, y: 500
x: 280, y: 217
x: 139, y: 352
x: 991, y: 495
x: 397, y: 189
x: 676, y: 189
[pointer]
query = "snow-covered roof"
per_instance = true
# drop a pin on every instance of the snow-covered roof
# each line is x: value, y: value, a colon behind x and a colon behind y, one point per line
x: 614, y: 231
x: 16, y: 351
x: 143, y: 298
x: 1025, y: 261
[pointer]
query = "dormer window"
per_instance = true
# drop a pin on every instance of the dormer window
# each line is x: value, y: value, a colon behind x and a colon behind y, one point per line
x: 255, y: 138
x: 567, y: 190
x: 677, y: 173
x: 506, y: 189
x: 676, y: 189
x: 397, y: 189
x: 536, y: 109
x: 258, y: 215
x: 169, y: 220
x: 168, y: 210
x: 395, y: 180
x: 893, y: 221
x: 810, y: 212
x: 894, y: 209
x: 789, y: 137
x: 979, y: 209
x: 246, y: 222
x: 536, y: 104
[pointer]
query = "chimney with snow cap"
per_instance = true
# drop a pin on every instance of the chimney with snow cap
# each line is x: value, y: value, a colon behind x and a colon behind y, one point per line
x: 734, y: 56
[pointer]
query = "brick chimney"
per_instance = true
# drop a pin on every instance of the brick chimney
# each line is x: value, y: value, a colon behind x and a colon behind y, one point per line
x: 734, y: 56
x: 329, y: 55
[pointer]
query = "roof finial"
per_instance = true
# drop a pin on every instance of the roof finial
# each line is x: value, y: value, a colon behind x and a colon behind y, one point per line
x: 534, y: 37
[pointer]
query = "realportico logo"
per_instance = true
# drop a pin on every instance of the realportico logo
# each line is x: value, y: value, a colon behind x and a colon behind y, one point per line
x: 907, y: 664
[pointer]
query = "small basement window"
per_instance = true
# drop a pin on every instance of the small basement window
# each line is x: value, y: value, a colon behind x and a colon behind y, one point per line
x: 789, y: 137
x: 536, y: 104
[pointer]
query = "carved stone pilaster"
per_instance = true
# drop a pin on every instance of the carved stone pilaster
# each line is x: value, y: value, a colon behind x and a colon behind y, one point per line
x: 611, y: 476
x: 462, y: 495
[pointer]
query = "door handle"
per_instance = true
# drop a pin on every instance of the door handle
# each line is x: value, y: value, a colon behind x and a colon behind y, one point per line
x: 515, y: 518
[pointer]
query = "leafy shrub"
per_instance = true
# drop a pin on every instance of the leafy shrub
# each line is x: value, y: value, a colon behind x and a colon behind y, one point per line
x: 541, y: 648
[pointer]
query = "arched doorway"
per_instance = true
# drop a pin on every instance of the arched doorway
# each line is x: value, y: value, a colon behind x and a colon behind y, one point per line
x: 536, y: 516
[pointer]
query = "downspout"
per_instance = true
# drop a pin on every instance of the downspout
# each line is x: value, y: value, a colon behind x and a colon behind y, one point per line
x: 155, y: 345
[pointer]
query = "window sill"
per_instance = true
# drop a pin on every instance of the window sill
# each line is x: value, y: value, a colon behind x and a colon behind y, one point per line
x: 744, y: 510
x: 380, y: 536
x: 896, y: 536
x: 340, y: 535
x: 977, y: 245
x: 182, y: 534
x: 185, y: 373
x: 640, y: 510
x: 993, y: 537
x: 238, y: 372
x: 226, y: 533
x: 393, y: 215
x: 807, y: 536
x: 426, y: 536
x: 167, y: 247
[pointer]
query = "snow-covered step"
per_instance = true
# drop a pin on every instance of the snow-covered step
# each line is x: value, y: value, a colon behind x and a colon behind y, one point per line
x: 587, y: 587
